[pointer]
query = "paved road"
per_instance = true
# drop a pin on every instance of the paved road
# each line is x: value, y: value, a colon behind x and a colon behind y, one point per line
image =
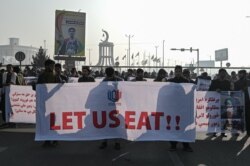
x: 17, y: 147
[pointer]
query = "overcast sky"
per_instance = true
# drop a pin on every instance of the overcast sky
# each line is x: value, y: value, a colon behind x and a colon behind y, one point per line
x: 205, y: 24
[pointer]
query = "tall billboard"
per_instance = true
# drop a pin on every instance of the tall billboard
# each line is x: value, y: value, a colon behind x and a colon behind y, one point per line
x: 70, y: 33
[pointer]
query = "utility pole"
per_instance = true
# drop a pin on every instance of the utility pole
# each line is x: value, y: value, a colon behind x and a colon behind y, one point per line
x: 89, y: 54
x: 44, y: 44
x: 129, y: 36
x: 126, y: 58
x: 163, y: 52
x: 156, y: 54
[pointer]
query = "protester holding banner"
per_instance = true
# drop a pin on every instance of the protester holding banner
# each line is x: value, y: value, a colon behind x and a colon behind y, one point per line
x: 178, y: 78
x: 161, y: 75
x: 110, y: 76
x: 9, y: 78
x: 48, y: 76
x: 139, y: 75
x: 86, y: 75
x: 221, y: 83
x: 58, y: 71
x: 203, y: 82
x: 242, y: 85
x: 129, y: 75
x: 19, y: 79
x: 186, y: 74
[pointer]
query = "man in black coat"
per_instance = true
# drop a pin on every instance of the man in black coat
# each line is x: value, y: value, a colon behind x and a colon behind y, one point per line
x: 221, y: 84
x: 178, y: 78
x: 242, y: 85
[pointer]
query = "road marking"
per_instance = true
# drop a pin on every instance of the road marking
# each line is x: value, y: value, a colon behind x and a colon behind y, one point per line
x: 3, y: 149
x: 246, y: 144
x: 175, y: 159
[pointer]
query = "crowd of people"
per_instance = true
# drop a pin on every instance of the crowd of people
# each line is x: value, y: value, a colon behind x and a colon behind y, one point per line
x: 53, y: 74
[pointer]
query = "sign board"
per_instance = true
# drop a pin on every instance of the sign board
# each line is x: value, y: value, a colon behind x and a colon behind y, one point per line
x: 208, y: 63
x: 221, y: 55
x: 20, y: 56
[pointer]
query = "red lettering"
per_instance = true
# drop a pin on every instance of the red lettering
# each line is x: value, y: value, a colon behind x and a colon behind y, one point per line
x: 144, y: 121
x: 79, y: 116
x: 157, y: 116
x: 103, y: 122
x: 66, y: 119
x: 129, y: 119
x: 52, y: 122
x: 113, y: 116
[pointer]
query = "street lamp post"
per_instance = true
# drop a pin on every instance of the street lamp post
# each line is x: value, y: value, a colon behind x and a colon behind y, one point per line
x: 89, y: 56
x: 129, y: 36
x: 191, y: 50
x: 156, y: 55
x: 163, y: 53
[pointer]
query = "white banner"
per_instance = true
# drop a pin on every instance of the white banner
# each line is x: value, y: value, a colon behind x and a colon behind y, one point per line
x: 220, y: 112
x: 20, y: 104
x: 208, y: 111
x: 128, y: 110
x: 212, y: 108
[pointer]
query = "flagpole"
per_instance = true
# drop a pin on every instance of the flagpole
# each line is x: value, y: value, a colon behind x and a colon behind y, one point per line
x: 156, y: 54
x: 149, y: 61
x: 129, y: 36
x: 163, y: 53
x: 138, y: 59
x: 89, y: 55
x: 126, y: 58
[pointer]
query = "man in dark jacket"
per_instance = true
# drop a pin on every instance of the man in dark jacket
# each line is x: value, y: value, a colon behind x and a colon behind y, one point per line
x: 220, y: 84
x: 139, y: 75
x: 110, y: 76
x: 60, y: 78
x: 242, y: 85
x: 178, y: 78
x: 48, y: 76
x: 86, y: 75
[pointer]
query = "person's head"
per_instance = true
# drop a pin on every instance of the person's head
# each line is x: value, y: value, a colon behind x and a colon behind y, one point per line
x: 178, y: 71
x: 58, y: 68
x: 222, y: 73
x: 130, y: 71
x: 233, y: 74
x: 72, y: 32
x: 186, y: 73
x: 49, y: 65
x: 9, y: 68
x: 16, y: 69
x: 204, y: 74
x: 2, y: 71
x: 73, y: 71
x: 139, y: 73
x: 110, y: 71
x: 162, y: 73
x: 242, y: 74
x: 85, y: 70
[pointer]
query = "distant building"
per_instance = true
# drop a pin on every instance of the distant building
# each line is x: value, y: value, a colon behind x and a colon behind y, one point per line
x: 7, y: 52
